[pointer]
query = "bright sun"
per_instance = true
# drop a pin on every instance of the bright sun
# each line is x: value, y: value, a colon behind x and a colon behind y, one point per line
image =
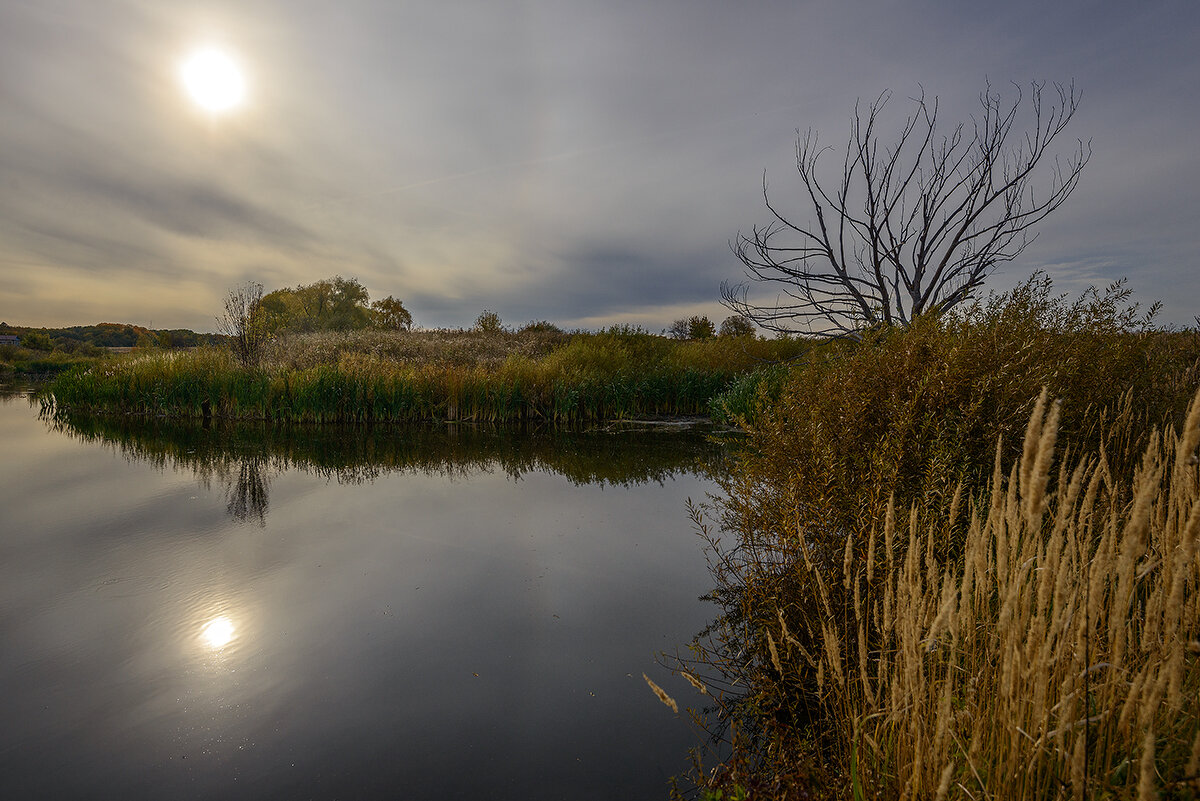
x: 213, y: 79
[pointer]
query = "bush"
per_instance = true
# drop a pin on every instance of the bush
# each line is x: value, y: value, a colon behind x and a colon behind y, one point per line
x: 694, y: 327
x: 488, y: 322
x: 539, y: 327
x: 913, y: 411
x: 36, y: 340
x: 736, y: 325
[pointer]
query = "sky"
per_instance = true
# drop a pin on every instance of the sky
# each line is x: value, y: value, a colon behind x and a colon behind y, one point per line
x: 585, y: 162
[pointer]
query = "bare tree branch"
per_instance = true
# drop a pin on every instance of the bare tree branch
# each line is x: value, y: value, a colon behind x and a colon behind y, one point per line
x: 911, y: 226
x: 244, y: 323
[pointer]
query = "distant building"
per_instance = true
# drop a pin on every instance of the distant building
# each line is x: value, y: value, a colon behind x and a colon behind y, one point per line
x: 9, y: 339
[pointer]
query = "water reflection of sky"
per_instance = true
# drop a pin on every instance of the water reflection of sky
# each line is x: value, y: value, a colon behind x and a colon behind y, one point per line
x: 470, y: 638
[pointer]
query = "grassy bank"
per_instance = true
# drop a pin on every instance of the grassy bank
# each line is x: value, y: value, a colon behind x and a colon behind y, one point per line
x: 25, y: 362
x: 433, y: 375
x: 925, y: 595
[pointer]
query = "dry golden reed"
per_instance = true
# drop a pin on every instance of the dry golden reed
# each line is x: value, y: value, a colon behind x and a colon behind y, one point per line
x: 1053, y: 659
x: 662, y: 694
x: 1037, y: 640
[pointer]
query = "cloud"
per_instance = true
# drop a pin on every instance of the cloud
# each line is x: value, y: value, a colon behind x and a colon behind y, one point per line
x: 564, y: 160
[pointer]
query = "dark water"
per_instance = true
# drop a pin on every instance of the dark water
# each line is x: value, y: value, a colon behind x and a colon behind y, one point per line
x: 244, y: 612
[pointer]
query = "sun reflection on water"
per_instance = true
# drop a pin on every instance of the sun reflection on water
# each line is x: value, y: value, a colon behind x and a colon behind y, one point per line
x: 218, y: 632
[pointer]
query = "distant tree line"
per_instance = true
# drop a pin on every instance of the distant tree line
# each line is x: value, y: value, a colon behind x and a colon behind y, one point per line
x: 81, y: 338
x: 698, y: 326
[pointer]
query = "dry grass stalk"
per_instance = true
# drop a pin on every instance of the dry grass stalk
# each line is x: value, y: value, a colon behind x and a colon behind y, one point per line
x: 695, y: 682
x: 1053, y: 659
x: 662, y: 694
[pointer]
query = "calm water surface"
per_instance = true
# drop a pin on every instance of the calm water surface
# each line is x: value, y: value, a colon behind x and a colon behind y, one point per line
x: 242, y: 612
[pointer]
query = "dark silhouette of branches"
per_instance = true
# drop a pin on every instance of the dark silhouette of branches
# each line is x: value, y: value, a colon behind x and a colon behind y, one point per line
x: 909, y: 226
x: 244, y: 323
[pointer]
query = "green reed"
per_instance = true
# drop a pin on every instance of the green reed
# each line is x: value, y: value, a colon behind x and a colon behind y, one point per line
x: 406, y: 377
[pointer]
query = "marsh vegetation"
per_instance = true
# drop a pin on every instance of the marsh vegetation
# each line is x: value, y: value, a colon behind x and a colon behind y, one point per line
x: 933, y: 584
x: 538, y: 373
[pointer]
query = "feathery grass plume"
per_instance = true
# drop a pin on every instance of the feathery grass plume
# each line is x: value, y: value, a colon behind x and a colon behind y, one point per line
x: 944, y: 783
x: 695, y: 682
x: 1048, y: 654
x: 774, y: 654
x: 1146, y: 777
x: 662, y: 695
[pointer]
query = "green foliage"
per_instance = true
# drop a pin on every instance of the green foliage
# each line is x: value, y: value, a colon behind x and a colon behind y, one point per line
x: 440, y: 375
x: 391, y: 315
x: 694, y: 327
x: 331, y: 304
x: 748, y: 395
x: 735, y: 325
x: 37, y: 340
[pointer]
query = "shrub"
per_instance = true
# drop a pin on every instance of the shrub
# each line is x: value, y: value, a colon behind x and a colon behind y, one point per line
x: 735, y: 325
x: 488, y: 322
x: 539, y: 327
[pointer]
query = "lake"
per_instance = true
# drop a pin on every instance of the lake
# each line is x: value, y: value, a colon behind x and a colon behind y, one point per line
x: 243, y: 611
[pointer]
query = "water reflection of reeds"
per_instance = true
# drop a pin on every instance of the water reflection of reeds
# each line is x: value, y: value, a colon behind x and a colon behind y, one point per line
x: 244, y: 456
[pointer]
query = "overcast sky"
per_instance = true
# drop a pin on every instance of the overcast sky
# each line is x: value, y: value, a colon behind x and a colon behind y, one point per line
x: 581, y: 161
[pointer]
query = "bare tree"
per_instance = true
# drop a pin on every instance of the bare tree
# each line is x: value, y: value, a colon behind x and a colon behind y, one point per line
x: 911, y: 226
x: 245, y: 323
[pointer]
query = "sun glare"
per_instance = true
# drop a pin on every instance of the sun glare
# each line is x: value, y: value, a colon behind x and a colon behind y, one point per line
x: 213, y: 79
x: 218, y: 632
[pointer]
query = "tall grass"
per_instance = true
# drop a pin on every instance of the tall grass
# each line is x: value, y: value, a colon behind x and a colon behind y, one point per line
x: 812, y: 662
x: 1058, y: 657
x: 400, y: 377
x: 914, y: 412
x: 1056, y: 654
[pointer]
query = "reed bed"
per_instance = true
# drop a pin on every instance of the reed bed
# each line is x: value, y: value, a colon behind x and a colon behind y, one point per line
x: 400, y: 377
x: 1042, y: 641
x: 1059, y: 658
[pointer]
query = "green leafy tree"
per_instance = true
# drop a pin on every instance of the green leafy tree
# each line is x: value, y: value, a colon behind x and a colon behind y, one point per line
x: 339, y: 304
x: 735, y: 325
x: 697, y: 326
x: 391, y: 314
x: 700, y: 327
x: 37, y: 340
